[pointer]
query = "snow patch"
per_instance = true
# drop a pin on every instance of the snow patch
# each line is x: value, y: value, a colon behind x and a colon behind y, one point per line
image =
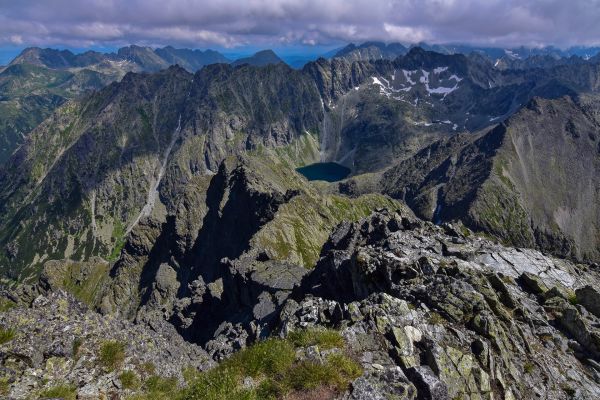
x: 407, y: 76
x: 439, y: 70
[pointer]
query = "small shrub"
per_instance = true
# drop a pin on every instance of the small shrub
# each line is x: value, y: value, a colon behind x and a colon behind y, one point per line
x: 65, y: 392
x: 129, y: 380
x: 6, y: 335
x: 112, y: 355
x: 325, y: 339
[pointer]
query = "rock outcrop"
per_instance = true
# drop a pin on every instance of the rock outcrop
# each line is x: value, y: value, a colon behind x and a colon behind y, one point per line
x: 58, y: 342
x: 427, y: 312
x: 444, y: 314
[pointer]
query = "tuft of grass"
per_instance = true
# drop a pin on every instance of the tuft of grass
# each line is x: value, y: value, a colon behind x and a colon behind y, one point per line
x: 65, y: 392
x: 77, y: 342
x: 528, y: 367
x: 220, y: 383
x: 6, y: 335
x: 112, y: 354
x: 129, y: 380
x: 337, y: 372
x: 573, y: 299
x: 147, y: 368
x: 158, y: 385
x: 325, y: 339
x: 6, y: 304
x: 272, y: 364
x: 269, y: 357
x: 4, y: 386
x: 435, y: 318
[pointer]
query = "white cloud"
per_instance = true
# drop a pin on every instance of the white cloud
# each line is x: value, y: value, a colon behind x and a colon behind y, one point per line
x: 406, y: 33
x: 232, y: 22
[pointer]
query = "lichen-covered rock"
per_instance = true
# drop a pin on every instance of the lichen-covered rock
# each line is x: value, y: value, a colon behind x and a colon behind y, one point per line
x: 462, y: 317
x: 58, y: 341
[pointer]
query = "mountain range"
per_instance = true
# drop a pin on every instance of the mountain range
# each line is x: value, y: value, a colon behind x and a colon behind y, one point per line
x: 456, y: 256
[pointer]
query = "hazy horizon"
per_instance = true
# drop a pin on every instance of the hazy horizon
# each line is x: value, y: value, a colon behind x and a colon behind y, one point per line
x: 307, y: 26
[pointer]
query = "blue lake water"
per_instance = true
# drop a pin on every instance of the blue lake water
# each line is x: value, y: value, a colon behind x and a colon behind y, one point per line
x: 330, y: 172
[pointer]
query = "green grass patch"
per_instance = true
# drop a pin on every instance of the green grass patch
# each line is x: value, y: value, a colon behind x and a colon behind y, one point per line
x: 573, y: 299
x: 4, y: 386
x: 112, y: 354
x: 129, y: 380
x: 6, y: 304
x: 6, y: 335
x: 325, y: 339
x: 158, y: 385
x: 118, y: 239
x: 268, y: 357
x: 273, y: 366
x: 528, y: 367
x: 65, y: 392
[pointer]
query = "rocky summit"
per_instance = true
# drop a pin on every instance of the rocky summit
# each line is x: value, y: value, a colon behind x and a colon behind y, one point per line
x: 388, y: 223
x: 424, y: 312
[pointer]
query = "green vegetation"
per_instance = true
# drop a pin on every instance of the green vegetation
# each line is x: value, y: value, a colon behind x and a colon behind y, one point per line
x: 147, y: 368
x: 157, y: 385
x: 302, y: 226
x: 129, y: 380
x: 325, y: 339
x: 84, y: 280
x: 4, y: 386
x: 118, y: 240
x: 498, y: 211
x: 6, y: 335
x: 435, y: 318
x: 112, y: 355
x: 528, y: 367
x: 273, y: 367
x: 573, y: 299
x: 271, y: 364
x: 6, y: 304
x: 77, y: 342
x: 65, y: 392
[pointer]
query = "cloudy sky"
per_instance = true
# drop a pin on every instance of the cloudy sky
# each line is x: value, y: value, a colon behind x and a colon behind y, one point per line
x: 235, y: 24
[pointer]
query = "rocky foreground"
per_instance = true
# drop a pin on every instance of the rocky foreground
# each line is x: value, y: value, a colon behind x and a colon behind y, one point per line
x: 421, y: 312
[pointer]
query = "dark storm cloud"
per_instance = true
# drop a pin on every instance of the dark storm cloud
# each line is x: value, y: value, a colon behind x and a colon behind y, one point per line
x: 229, y: 23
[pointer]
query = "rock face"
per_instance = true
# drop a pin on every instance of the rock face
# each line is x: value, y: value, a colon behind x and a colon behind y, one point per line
x: 429, y: 312
x: 232, y: 253
x: 452, y: 316
x: 57, y: 340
